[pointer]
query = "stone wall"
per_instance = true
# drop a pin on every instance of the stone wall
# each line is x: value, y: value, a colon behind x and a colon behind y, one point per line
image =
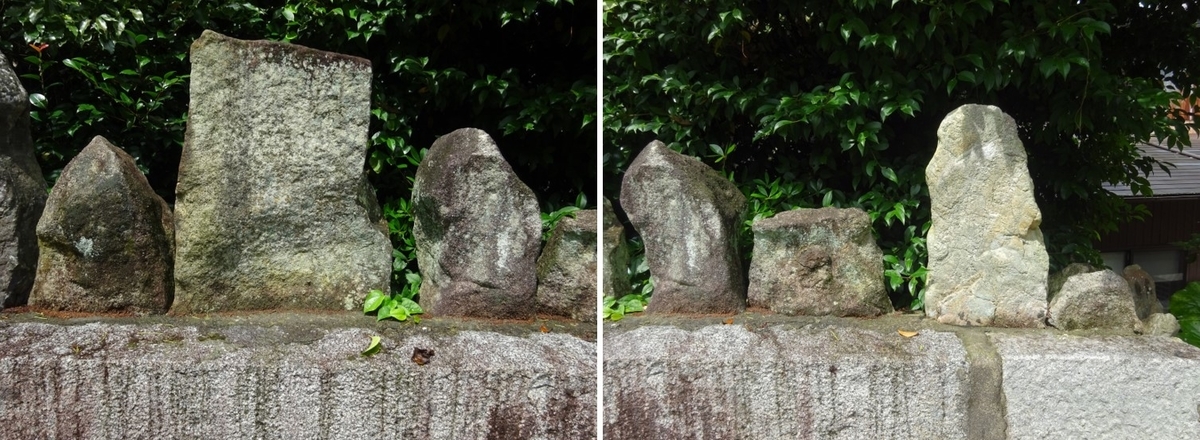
x: 293, y: 376
x: 770, y: 376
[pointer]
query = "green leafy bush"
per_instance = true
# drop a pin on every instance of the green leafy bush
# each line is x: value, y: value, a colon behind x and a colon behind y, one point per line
x: 836, y: 103
x: 1185, y: 305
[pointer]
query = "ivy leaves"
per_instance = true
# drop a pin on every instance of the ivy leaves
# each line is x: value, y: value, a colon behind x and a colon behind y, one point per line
x: 400, y: 305
x: 1185, y: 305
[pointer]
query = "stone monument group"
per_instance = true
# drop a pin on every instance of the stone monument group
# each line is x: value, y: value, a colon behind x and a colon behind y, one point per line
x: 273, y: 211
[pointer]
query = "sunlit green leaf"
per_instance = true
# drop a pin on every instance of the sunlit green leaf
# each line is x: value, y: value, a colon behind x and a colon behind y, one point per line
x: 38, y: 100
x: 373, y: 347
x: 374, y: 300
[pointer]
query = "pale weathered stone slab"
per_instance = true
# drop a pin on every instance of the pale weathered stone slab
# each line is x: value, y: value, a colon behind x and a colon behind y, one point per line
x: 107, y: 240
x: 477, y: 229
x: 818, y: 262
x: 688, y: 216
x: 22, y: 192
x: 567, y: 269
x: 1114, y: 387
x: 273, y: 209
x: 987, y: 261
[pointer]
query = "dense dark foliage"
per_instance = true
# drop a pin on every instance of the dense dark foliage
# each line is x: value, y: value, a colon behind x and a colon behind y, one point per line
x: 522, y: 70
x: 818, y: 103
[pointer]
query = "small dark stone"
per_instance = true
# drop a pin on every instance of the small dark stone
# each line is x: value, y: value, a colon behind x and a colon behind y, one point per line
x: 567, y: 269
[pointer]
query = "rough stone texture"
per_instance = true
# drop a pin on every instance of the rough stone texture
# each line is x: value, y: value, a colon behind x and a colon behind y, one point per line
x: 818, y: 262
x: 107, y: 240
x: 1112, y: 387
x: 1094, y: 300
x: 567, y: 269
x: 107, y: 381
x: 1142, y: 286
x: 273, y: 209
x: 615, y: 281
x: 774, y: 376
x: 818, y: 382
x: 22, y: 192
x: 1059, y: 278
x: 688, y: 217
x: 987, y: 261
x: 1163, y: 324
x: 477, y: 230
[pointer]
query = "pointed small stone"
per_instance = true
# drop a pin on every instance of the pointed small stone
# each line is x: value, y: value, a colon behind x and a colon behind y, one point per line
x: 107, y: 240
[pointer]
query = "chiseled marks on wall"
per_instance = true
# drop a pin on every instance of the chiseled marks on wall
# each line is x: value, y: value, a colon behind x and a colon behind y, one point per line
x: 818, y: 381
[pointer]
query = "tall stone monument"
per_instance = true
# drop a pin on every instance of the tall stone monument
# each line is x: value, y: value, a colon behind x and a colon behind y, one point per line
x: 987, y: 263
x: 273, y: 209
x: 22, y: 192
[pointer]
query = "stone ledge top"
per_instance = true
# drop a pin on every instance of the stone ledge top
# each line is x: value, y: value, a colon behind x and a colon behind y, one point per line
x: 308, y: 326
x: 757, y: 321
x: 277, y: 49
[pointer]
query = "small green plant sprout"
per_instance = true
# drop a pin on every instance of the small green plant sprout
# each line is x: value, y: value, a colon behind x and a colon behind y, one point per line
x: 616, y: 309
x: 399, y: 306
x: 549, y: 220
x: 372, y: 348
x: 1185, y: 305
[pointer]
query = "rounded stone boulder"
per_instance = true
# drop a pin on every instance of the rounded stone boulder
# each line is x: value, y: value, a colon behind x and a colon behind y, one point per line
x: 477, y: 230
x: 1095, y: 300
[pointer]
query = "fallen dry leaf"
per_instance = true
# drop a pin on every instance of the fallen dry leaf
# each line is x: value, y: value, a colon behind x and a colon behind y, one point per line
x: 907, y: 334
x: 728, y: 321
x: 422, y: 356
x: 545, y: 329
